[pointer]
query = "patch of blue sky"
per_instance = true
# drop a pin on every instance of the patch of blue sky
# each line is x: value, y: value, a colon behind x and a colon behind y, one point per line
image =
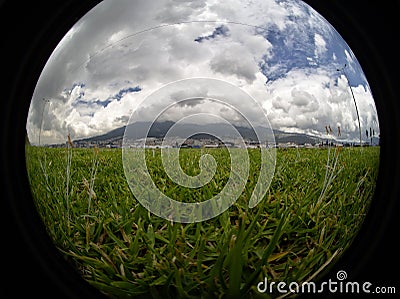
x: 297, y: 50
x: 221, y: 30
x: 80, y: 101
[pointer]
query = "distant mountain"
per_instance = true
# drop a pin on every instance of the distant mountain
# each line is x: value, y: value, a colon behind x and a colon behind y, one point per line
x: 297, y: 138
x: 160, y: 129
x: 115, y: 134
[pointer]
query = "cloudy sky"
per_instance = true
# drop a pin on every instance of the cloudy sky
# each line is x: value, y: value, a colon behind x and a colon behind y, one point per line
x: 281, y: 53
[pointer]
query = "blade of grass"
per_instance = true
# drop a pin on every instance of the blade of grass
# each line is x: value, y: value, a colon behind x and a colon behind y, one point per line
x: 268, y: 251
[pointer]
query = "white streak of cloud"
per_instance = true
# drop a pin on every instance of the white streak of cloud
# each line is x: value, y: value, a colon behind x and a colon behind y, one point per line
x: 320, y: 45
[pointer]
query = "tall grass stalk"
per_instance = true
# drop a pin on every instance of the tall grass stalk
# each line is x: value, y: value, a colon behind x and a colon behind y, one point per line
x: 68, y: 176
x: 93, y: 172
x: 330, y: 172
x: 43, y: 163
x: 330, y: 167
x: 43, y: 166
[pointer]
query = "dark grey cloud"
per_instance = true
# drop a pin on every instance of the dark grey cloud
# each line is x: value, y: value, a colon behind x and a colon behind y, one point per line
x: 231, y: 62
x: 192, y: 102
x: 304, y: 101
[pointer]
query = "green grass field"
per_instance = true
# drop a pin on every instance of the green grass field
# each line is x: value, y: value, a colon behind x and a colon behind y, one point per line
x: 312, y: 211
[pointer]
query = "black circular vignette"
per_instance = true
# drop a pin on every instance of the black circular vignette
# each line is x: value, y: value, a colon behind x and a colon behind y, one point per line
x: 370, y: 31
x: 31, y: 31
x: 33, y: 267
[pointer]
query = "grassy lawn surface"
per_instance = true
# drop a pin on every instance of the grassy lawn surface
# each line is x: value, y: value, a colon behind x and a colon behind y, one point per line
x: 312, y: 211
